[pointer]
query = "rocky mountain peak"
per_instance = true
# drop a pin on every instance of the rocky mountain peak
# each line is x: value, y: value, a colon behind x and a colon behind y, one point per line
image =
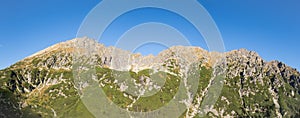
x: 43, y: 82
x: 60, y: 56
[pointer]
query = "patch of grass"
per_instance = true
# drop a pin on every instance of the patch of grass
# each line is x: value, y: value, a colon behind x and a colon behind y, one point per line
x: 161, y: 98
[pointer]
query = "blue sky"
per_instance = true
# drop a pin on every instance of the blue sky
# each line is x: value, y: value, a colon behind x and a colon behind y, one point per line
x: 269, y: 27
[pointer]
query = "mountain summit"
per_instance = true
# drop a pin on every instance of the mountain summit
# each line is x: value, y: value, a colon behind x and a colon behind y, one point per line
x: 42, y: 85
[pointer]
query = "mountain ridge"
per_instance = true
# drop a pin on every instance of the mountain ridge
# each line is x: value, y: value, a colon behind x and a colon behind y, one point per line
x: 253, y: 86
x: 69, y: 46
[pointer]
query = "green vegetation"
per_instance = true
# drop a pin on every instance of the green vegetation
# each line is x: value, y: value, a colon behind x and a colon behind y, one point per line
x: 144, y: 104
x: 62, y: 99
x: 289, y: 104
x: 161, y: 98
x: 9, y: 106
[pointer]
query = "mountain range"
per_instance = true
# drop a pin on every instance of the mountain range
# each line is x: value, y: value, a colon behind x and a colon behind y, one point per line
x: 44, y: 84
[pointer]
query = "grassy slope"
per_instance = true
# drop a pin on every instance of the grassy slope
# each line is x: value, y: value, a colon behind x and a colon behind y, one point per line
x: 42, y: 104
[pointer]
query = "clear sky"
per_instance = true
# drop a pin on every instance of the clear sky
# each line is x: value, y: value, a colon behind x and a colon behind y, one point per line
x: 269, y: 27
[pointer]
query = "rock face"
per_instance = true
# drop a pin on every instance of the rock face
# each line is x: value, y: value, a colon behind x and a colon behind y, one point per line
x: 42, y: 85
